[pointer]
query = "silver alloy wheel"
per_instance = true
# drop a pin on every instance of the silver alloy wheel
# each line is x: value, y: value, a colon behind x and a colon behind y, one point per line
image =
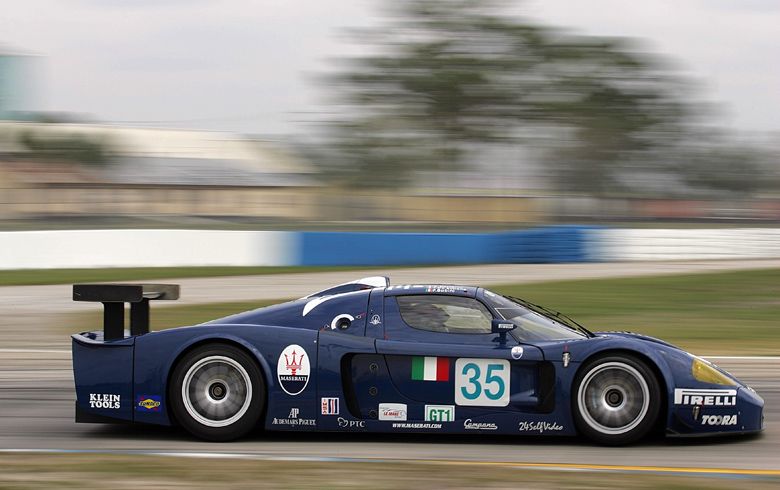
x: 216, y: 391
x: 613, y: 398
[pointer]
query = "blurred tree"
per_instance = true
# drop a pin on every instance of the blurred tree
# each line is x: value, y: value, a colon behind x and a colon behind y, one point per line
x: 614, y: 104
x: 431, y: 89
x: 445, y: 77
x: 74, y: 148
x: 724, y: 168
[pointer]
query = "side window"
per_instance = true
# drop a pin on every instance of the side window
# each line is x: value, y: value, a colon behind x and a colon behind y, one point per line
x: 450, y: 314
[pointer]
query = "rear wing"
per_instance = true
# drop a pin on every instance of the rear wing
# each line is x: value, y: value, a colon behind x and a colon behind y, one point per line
x: 114, y: 297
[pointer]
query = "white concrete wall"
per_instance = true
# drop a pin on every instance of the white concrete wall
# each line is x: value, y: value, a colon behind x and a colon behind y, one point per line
x: 686, y: 244
x: 59, y: 249
x: 144, y: 248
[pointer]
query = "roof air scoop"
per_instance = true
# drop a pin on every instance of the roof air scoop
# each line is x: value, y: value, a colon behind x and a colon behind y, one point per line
x: 358, y: 285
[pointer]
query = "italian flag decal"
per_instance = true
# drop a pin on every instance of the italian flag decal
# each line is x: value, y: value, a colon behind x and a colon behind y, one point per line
x: 431, y: 368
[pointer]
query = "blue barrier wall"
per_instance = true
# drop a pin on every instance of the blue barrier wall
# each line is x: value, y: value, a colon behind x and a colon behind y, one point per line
x: 536, y: 245
x: 550, y: 244
x: 326, y: 248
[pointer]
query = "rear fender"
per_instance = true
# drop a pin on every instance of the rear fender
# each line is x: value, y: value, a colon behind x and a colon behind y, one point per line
x: 103, y: 373
x: 156, y: 355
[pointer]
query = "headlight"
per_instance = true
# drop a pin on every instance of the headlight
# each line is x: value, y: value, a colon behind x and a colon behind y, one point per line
x: 704, y: 372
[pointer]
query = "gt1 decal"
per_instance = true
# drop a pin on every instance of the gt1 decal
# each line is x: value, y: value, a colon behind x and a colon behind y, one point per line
x: 292, y: 369
x: 375, y: 320
x: 148, y: 403
x: 469, y: 425
x: 415, y: 425
x: 103, y: 400
x: 517, y: 352
x: 439, y: 413
x: 482, y: 382
x: 719, y: 420
x: 351, y: 424
x: 330, y: 406
x: 708, y: 398
x: 392, y: 411
x: 540, y: 427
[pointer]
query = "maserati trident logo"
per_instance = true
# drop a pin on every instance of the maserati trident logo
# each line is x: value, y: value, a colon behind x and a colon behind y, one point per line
x: 293, y: 366
x: 293, y: 369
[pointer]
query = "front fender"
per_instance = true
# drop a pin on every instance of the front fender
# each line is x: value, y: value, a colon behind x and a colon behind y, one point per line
x: 666, y: 361
x: 728, y: 409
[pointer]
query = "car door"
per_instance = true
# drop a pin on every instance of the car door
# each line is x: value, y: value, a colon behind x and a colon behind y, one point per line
x: 341, y: 344
x: 445, y: 365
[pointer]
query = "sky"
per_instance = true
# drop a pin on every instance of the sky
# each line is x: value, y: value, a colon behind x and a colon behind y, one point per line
x: 250, y: 65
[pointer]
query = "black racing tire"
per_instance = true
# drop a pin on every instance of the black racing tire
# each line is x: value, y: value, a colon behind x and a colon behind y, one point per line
x: 616, y: 399
x: 217, y: 392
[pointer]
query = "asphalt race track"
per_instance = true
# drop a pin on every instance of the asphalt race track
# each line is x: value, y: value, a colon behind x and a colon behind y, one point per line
x: 37, y: 398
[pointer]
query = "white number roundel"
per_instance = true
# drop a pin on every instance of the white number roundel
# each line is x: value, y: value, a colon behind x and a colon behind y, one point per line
x: 482, y: 382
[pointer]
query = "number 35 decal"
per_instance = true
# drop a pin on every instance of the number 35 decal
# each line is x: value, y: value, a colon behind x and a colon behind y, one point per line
x: 482, y: 382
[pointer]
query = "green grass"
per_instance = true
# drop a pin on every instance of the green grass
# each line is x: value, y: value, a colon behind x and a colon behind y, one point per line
x: 68, y: 276
x: 724, y: 312
x: 88, y: 471
x: 713, y: 313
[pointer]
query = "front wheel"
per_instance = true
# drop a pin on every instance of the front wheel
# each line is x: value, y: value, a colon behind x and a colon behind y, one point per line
x: 616, y: 400
x: 217, y: 392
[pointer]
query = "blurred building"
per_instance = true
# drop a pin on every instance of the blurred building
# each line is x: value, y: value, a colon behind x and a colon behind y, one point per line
x: 151, y: 172
x: 161, y: 174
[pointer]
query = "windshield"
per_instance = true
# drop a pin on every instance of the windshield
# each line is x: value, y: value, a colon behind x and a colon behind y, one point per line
x: 531, y: 326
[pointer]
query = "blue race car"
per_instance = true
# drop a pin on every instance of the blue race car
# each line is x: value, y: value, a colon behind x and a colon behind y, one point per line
x: 370, y: 357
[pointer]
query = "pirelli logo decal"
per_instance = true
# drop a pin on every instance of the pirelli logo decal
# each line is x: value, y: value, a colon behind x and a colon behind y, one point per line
x: 708, y: 398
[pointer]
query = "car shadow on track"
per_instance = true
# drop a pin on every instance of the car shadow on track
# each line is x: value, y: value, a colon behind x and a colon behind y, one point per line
x: 713, y: 440
x: 159, y: 434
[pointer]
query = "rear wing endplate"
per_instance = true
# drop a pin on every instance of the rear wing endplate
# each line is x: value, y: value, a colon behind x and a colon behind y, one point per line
x: 114, y: 297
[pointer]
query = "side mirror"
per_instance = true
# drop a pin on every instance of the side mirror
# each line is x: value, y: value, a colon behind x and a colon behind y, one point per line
x: 501, y: 327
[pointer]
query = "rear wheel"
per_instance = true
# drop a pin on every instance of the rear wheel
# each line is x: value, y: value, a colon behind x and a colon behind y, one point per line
x: 616, y: 399
x: 217, y: 392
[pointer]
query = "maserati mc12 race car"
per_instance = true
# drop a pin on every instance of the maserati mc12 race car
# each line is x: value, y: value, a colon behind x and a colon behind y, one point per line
x: 370, y: 357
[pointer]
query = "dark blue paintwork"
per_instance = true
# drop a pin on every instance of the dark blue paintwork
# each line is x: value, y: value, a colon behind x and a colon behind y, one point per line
x: 369, y: 363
